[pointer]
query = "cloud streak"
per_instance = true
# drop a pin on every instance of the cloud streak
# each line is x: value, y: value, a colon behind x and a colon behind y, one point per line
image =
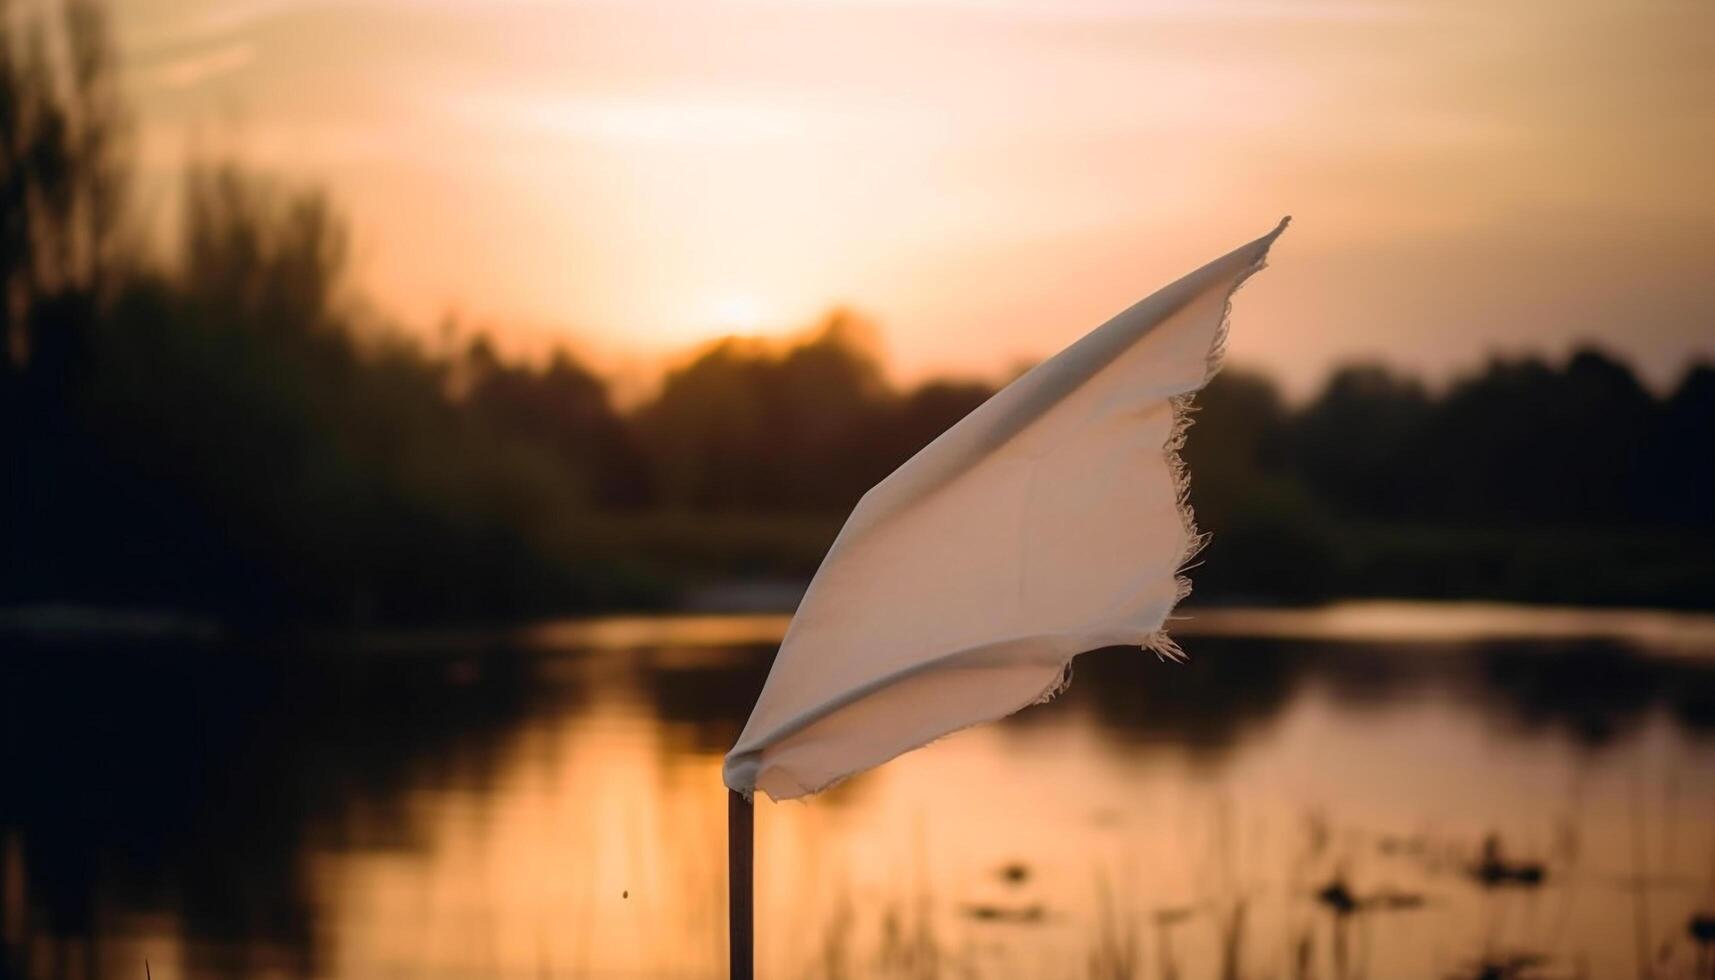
x: 193, y: 70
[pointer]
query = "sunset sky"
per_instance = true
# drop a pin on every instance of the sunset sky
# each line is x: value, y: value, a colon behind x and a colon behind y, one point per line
x: 985, y: 179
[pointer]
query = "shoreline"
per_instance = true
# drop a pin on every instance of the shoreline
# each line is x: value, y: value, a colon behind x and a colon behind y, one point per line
x: 708, y: 624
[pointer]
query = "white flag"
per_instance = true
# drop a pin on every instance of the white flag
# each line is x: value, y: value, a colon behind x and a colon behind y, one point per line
x: 1049, y: 522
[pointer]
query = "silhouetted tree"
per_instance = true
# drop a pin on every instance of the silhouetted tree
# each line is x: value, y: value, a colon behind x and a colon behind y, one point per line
x: 1268, y: 536
x: 266, y: 258
x: 1524, y: 443
x: 744, y: 426
x: 61, y: 184
x: 925, y: 413
x: 1681, y: 466
x: 1355, y: 443
x: 1235, y: 440
x: 61, y: 172
x: 566, y: 408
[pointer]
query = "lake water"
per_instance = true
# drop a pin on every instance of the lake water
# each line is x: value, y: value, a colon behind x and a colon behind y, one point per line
x: 1371, y: 790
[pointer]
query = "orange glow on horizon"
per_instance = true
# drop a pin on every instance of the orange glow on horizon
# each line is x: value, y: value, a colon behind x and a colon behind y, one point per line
x: 988, y: 180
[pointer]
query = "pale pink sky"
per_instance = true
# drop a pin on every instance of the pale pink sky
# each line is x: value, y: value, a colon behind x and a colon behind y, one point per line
x: 986, y: 179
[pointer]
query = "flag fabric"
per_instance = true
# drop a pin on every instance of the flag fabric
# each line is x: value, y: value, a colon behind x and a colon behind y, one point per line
x: 1050, y: 521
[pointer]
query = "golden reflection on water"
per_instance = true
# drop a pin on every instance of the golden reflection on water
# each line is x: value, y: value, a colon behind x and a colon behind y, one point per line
x: 1082, y: 839
x: 596, y: 853
x: 599, y: 853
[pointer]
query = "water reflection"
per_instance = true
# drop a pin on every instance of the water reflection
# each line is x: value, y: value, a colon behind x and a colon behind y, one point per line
x: 548, y: 804
x: 1593, y: 691
x: 189, y: 786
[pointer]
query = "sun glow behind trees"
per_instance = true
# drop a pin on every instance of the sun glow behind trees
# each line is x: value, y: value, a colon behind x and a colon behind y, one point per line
x: 1467, y: 174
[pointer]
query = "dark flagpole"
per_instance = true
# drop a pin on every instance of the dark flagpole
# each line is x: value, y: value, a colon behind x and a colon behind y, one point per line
x: 740, y: 831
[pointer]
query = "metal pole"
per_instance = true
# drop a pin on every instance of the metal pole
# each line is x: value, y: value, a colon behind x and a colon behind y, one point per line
x: 740, y: 862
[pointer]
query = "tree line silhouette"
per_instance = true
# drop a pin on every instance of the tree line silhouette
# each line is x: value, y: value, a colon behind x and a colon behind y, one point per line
x: 220, y: 430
